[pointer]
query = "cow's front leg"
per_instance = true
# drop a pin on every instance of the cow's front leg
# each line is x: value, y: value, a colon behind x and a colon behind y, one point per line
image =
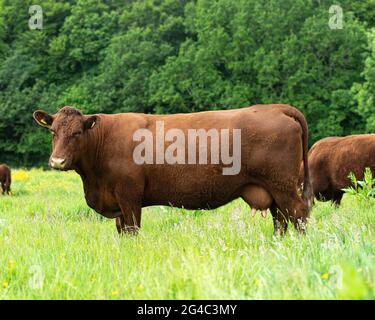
x: 120, y: 224
x: 130, y: 219
x: 129, y: 198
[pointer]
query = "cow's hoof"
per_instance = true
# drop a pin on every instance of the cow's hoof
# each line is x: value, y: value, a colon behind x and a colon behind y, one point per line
x: 128, y: 230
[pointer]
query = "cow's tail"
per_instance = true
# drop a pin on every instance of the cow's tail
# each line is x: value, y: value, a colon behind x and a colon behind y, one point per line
x: 307, y: 193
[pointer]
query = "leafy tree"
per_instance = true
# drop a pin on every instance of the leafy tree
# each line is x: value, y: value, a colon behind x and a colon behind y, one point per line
x: 167, y: 56
x: 365, y: 92
x: 364, y: 10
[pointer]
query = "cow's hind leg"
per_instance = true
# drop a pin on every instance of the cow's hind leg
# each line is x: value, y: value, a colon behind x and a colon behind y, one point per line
x: 293, y: 207
x: 6, y: 189
x: 280, y: 221
x: 8, y: 183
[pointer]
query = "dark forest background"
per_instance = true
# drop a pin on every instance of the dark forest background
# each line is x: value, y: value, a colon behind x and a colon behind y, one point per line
x: 164, y: 56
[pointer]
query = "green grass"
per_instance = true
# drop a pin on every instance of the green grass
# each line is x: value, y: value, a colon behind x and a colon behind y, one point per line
x: 54, y: 247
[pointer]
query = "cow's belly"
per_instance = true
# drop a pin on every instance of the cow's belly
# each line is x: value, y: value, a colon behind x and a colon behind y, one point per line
x: 187, y: 201
x: 192, y: 188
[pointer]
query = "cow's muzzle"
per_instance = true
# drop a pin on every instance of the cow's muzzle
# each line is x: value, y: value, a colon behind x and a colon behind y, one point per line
x: 57, y: 163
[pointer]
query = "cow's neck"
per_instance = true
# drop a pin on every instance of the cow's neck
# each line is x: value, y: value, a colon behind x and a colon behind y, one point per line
x: 89, y: 167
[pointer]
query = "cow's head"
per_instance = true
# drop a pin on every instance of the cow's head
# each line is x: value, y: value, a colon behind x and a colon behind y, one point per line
x: 69, y: 130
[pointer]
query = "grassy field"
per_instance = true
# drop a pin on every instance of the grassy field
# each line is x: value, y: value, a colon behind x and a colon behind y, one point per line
x: 54, y: 247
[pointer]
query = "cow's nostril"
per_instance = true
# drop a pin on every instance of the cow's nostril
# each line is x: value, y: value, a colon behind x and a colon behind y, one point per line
x: 57, y: 162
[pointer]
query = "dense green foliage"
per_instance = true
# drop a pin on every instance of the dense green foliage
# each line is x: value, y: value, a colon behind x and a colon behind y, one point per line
x: 54, y: 247
x: 168, y: 56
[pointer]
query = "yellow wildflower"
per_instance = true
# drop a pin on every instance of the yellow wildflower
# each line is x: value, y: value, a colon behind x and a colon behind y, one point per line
x: 258, y: 283
x: 115, y: 293
x: 19, y: 175
x: 141, y: 287
x: 325, y: 276
x: 11, y: 265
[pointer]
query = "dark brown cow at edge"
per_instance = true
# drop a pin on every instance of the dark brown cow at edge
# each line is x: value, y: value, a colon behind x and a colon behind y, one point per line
x: 5, y: 178
x: 332, y: 159
x: 100, y: 149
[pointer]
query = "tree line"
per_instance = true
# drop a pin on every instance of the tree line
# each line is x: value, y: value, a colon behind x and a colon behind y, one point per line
x: 170, y: 56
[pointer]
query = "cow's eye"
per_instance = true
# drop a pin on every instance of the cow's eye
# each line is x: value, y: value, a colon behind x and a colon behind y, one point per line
x: 77, y: 134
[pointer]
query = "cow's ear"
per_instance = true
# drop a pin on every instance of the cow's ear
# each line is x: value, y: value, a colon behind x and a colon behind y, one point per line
x: 90, y: 122
x: 43, y: 118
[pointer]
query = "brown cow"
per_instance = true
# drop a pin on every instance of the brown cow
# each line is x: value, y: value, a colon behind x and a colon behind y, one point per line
x: 333, y: 158
x: 5, y: 178
x: 101, y: 148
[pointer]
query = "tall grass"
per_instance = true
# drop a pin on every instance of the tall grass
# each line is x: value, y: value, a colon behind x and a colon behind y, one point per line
x: 54, y: 247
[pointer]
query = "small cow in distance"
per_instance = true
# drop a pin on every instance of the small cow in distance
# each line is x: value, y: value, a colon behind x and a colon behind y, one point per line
x: 101, y: 148
x: 5, y: 178
x: 331, y: 161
